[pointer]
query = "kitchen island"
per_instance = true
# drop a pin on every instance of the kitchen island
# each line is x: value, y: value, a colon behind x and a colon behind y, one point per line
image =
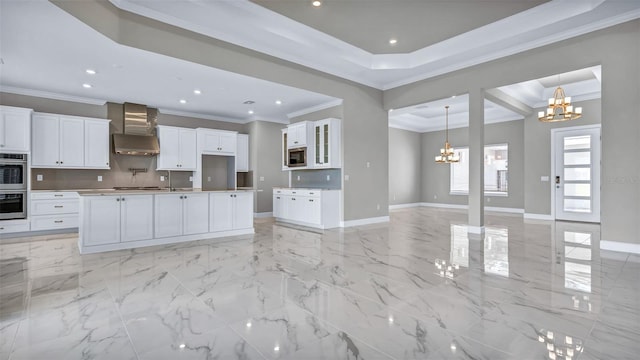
x: 125, y: 219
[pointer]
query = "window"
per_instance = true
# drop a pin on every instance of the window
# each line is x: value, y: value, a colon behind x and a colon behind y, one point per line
x: 496, y: 179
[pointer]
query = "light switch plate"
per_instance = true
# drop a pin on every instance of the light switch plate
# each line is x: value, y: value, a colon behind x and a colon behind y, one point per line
x: 39, y: 177
x: 262, y: 178
x: 346, y: 178
x: 208, y: 178
x: 190, y: 178
x: 544, y: 178
x: 99, y: 177
x: 328, y: 177
x: 161, y: 177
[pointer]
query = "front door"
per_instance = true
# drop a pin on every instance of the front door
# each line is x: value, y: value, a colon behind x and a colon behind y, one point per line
x: 577, y: 173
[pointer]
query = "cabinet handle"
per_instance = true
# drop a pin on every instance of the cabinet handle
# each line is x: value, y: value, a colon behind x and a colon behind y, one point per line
x: 58, y: 221
x: 61, y: 162
x: 293, y: 198
x: 1, y: 145
x: 57, y: 162
x: 278, y: 197
x: 295, y: 142
x: 107, y: 163
x: 310, y: 193
x: 311, y: 200
x: 118, y: 199
x: 58, y: 206
x: 185, y: 197
x: 122, y: 199
x: 1, y: 228
x: 58, y: 195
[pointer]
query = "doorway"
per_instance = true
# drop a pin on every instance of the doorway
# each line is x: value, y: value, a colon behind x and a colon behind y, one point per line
x: 576, y: 173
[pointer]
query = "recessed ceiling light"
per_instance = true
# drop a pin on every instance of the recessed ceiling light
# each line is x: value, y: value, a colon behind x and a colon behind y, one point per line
x: 90, y: 71
x: 197, y: 92
x: 87, y: 86
x: 250, y: 112
x: 393, y: 41
x: 249, y: 102
x: 453, y: 97
x: 278, y: 102
x: 183, y: 101
x: 316, y: 3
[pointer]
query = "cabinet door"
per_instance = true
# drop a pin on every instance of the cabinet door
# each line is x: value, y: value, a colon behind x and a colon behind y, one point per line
x: 312, y: 210
x: 242, y: 153
x: 284, y: 145
x: 187, y: 149
x: 243, y: 211
x: 136, y: 217
x: 221, y: 212
x: 96, y: 144
x: 195, y: 213
x: 168, y: 215
x: 294, y: 209
x: 169, y: 157
x: 210, y: 141
x: 297, y: 135
x: 45, y: 140
x: 277, y: 206
x: 71, y: 142
x: 14, y: 131
x: 101, y: 220
x: 228, y: 142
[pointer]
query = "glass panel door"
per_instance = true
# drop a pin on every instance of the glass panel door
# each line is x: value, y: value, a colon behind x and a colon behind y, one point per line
x: 577, y: 174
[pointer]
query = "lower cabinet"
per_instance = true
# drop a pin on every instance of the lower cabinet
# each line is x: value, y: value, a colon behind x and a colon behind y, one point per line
x: 116, y: 218
x: 112, y: 222
x: 230, y: 211
x: 52, y: 210
x: 315, y: 208
x: 181, y: 214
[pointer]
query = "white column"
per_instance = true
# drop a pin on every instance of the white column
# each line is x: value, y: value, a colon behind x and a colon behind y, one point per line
x: 476, y: 161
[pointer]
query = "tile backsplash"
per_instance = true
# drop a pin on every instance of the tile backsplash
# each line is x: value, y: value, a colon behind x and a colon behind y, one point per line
x: 319, y: 179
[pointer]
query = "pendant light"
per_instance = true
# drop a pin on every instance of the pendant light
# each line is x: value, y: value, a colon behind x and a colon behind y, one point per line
x: 447, y: 154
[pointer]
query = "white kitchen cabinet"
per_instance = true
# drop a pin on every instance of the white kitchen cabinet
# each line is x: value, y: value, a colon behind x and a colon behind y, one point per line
x: 15, y: 129
x: 283, y: 146
x: 298, y: 134
x: 96, y: 144
x: 230, y: 211
x: 69, y: 142
x: 217, y: 142
x: 54, y: 210
x: 307, y: 207
x: 177, y: 148
x: 116, y: 218
x: 326, y: 135
x: 242, y: 153
x: 181, y: 214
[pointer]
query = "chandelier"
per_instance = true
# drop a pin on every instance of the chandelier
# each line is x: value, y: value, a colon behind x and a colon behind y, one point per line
x: 447, y: 154
x: 560, y: 108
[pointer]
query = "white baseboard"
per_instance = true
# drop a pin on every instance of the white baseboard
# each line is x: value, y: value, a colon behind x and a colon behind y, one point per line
x: 538, y: 216
x: 263, y: 214
x: 475, y: 229
x: 445, y: 206
x: 504, y: 210
x: 404, y: 206
x: 367, y: 221
x: 620, y: 246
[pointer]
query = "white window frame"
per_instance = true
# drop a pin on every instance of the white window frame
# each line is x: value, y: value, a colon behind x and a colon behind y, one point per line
x: 463, y: 159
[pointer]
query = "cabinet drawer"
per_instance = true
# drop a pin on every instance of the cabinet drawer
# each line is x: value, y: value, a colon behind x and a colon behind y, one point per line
x: 12, y: 228
x: 50, y: 207
x: 49, y: 195
x: 49, y: 222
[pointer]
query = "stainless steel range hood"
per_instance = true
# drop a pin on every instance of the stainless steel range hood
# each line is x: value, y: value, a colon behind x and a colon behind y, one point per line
x: 138, y: 138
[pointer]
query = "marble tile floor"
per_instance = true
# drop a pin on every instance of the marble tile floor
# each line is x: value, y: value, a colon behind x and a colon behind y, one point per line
x: 418, y: 287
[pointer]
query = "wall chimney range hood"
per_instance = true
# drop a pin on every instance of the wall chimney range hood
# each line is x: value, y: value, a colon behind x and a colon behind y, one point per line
x: 138, y: 138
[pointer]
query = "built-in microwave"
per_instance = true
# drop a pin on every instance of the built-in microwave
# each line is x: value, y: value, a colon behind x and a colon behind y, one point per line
x: 297, y: 157
x: 13, y: 172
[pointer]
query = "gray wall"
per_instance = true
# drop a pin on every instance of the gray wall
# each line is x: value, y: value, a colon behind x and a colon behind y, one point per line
x: 537, y: 155
x: 364, y: 128
x: 436, y: 177
x: 617, y: 49
x: 405, y: 167
x: 264, y: 159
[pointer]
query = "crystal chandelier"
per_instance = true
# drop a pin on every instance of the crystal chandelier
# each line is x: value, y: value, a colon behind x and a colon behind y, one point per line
x: 447, y: 154
x: 560, y: 108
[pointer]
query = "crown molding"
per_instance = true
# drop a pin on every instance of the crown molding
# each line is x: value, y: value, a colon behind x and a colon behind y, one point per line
x: 51, y: 95
x: 315, y: 108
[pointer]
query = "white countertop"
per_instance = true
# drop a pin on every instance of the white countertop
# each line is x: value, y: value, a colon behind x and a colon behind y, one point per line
x: 301, y: 188
x: 103, y: 192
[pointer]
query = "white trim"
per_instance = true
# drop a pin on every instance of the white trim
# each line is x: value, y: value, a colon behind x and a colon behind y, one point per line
x: 475, y: 229
x: 538, y: 216
x: 202, y: 116
x: 504, y: 209
x: 263, y: 215
x: 51, y: 95
x: 407, y: 127
x: 446, y: 206
x: 367, y: 221
x: 315, y: 108
x: 404, y: 206
x: 620, y: 246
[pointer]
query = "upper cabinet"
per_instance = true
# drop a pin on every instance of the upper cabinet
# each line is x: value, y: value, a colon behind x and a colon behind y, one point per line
x: 217, y: 142
x: 60, y: 141
x: 298, y: 134
x: 177, y: 148
x: 15, y: 124
x: 285, y: 156
x: 326, y: 134
x: 242, y: 153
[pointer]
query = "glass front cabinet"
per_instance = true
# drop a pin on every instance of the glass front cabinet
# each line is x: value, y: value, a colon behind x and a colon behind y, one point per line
x: 327, y: 143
